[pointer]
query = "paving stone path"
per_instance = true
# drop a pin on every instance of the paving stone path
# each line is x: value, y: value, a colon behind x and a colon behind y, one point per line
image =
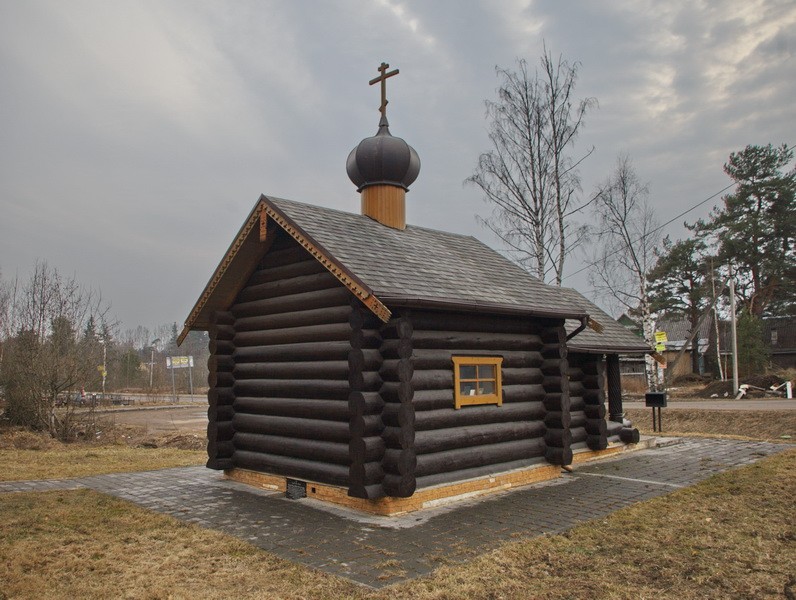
x: 379, y: 551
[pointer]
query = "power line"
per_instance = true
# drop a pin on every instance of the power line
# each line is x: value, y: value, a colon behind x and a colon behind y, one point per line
x: 669, y: 222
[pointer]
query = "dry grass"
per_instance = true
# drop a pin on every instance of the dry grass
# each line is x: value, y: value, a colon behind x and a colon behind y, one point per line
x: 25, y: 455
x: 746, y: 424
x: 81, y: 544
x: 731, y: 536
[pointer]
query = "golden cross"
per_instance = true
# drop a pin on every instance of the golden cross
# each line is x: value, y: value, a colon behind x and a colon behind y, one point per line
x: 383, y: 79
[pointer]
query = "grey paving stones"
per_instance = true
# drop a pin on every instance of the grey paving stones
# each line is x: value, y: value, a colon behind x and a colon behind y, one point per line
x: 377, y: 551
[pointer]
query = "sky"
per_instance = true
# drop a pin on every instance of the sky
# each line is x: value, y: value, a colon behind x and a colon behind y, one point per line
x: 135, y: 137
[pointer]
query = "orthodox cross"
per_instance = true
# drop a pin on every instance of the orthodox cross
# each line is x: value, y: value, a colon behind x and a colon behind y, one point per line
x: 383, y: 79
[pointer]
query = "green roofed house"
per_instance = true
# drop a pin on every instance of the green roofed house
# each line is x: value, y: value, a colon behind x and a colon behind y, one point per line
x: 386, y: 366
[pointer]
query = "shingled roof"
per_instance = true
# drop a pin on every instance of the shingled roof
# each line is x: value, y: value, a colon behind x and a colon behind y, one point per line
x: 614, y: 337
x: 411, y: 267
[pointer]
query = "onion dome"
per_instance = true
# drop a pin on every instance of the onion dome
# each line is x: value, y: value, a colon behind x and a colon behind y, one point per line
x: 383, y: 160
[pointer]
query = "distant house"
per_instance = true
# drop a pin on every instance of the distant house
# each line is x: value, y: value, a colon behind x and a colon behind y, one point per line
x: 678, y: 332
x: 779, y: 337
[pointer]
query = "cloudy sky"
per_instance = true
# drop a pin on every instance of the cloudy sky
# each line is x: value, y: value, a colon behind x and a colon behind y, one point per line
x: 136, y: 136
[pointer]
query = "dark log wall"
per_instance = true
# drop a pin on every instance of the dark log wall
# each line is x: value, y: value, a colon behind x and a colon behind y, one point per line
x: 220, y: 394
x: 587, y: 400
x: 449, y: 444
x: 282, y: 359
x: 558, y: 415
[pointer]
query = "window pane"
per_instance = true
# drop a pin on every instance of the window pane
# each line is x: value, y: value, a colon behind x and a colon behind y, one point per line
x: 467, y: 388
x: 467, y: 371
x: 486, y: 387
x: 486, y: 371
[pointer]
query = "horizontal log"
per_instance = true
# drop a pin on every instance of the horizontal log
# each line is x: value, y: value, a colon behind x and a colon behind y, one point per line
x: 365, y: 426
x: 596, y: 427
x: 216, y: 379
x: 578, y: 434
x: 427, y: 442
x: 220, y: 347
x: 613, y: 428
x: 474, y: 341
x: 578, y: 418
x: 399, y: 461
x: 321, y: 451
x: 222, y: 317
x: 392, y: 391
x: 368, y: 381
x: 554, y: 351
x: 221, y: 332
x: 597, y: 442
x: 433, y: 399
x: 293, y: 352
x: 219, y: 413
x: 288, y: 271
x: 220, y: 396
x: 366, y: 474
x: 398, y: 437
x: 330, y: 332
x: 556, y: 419
x: 221, y: 363
x: 575, y: 388
x: 553, y: 335
x: 220, y: 431
x: 477, y: 472
x: 629, y: 435
x: 220, y: 449
x: 297, y: 468
x: 391, y: 349
x: 367, y: 449
x: 296, y: 318
x: 284, y: 304
x: 552, y: 366
x: 558, y: 456
x: 367, y: 359
x: 397, y: 329
x: 365, y: 338
x: 288, y: 286
x: 478, y: 415
x: 523, y: 393
x: 556, y: 401
x: 367, y: 492
x: 279, y: 257
x: 594, y: 411
x: 576, y: 403
x: 400, y: 369
x: 398, y: 414
x: 295, y: 427
x: 554, y: 383
x: 433, y: 380
x: 559, y: 438
x: 288, y: 388
x: 446, y: 321
x: 220, y: 464
x: 592, y: 382
x: 399, y: 486
x: 365, y: 403
x: 327, y: 410
x: 326, y: 369
x: 521, y: 376
x: 464, y: 458
x: 430, y: 359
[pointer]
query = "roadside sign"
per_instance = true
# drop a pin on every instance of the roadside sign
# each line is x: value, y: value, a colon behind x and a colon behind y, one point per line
x: 179, y: 362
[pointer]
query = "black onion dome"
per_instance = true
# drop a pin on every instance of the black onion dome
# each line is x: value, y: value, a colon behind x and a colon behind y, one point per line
x: 383, y: 159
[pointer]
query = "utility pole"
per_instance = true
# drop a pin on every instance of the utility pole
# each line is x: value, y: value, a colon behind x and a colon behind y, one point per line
x: 734, y: 335
x: 152, y: 361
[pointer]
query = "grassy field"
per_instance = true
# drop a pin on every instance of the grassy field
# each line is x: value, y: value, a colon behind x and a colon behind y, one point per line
x: 748, y: 424
x: 25, y: 455
x: 731, y: 536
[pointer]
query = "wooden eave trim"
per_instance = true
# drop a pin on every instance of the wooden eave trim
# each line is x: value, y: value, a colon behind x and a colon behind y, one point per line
x: 476, y: 306
x: 355, y: 285
x: 256, y: 217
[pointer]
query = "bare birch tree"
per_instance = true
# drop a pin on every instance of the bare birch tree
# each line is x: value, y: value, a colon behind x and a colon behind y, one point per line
x: 529, y: 175
x: 627, y: 237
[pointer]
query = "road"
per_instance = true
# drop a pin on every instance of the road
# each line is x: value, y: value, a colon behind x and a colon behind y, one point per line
x: 724, y: 404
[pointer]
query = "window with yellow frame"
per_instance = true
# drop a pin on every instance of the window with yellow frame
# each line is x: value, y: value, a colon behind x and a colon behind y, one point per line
x: 477, y: 380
